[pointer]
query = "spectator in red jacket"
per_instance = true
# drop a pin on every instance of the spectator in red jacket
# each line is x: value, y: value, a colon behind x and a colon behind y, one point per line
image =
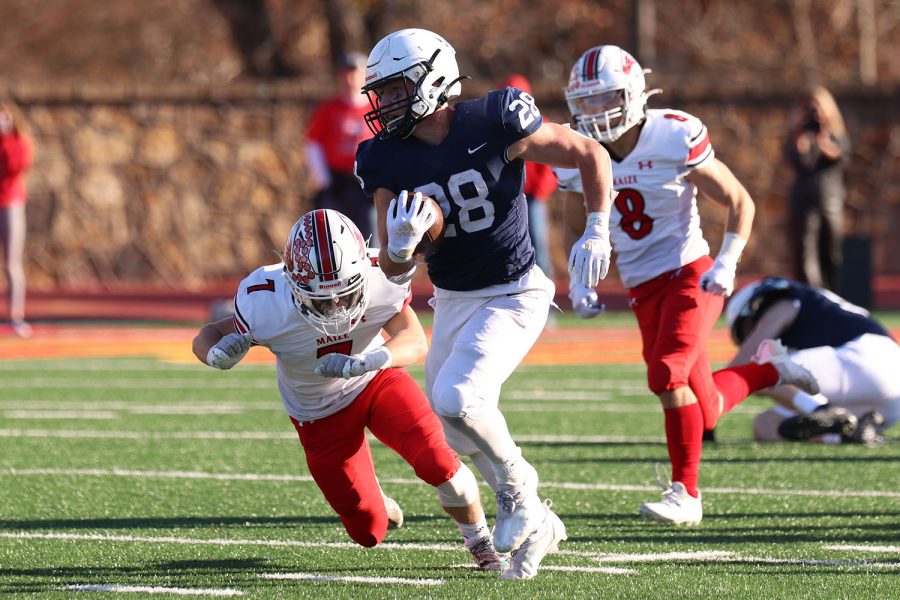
x: 540, y: 183
x: 336, y: 127
x: 15, y: 160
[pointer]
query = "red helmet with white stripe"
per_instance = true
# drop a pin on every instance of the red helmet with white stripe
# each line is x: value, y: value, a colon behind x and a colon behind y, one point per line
x: 326, y: 266
x: 606, y: 93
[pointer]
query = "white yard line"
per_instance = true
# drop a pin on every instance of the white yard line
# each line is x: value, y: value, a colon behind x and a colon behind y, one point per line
x: 612, y: 487
x: 351, y: 579
x: 702, y: 555
x: 195, y: 406
x: 167, y: 383
x: 145, y: 589
x: 555, y: 395
x: 570, y: 407
x: 545, y: 567
x: 707, y: 556
x: 858, y: 548
x: 284, y: 435
x: 149, y: 435
x: 67, y: 415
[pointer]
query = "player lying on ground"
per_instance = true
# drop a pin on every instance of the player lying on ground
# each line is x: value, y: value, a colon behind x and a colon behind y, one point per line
x: 852, y: 356
x: 321, y: 313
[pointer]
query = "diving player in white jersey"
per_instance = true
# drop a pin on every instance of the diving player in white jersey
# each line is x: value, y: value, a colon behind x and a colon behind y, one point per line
x: 853, y: 357
x: 321, y: 312
x: 491, y: 300
x: 660, y: 160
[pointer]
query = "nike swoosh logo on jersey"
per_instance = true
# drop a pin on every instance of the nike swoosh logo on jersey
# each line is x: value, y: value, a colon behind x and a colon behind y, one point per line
x: 477, y: 148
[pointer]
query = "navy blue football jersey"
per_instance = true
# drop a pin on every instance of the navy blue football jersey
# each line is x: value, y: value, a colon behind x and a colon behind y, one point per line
x: 824, y: 319
x: 479, y: 189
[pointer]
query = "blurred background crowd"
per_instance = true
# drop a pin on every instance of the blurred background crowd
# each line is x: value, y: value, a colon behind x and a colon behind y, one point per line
x: 172, y: 138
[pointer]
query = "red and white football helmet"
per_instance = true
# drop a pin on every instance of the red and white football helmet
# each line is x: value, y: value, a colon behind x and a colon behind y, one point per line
x: 606, y: 93
x: 326, y: 267
x: 425, y: 64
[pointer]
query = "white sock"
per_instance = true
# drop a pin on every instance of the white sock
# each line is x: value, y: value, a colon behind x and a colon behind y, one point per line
x: 805, y: 403
x: 473, y: 532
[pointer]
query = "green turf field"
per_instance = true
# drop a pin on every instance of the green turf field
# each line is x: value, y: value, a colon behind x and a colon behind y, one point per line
x: 133, y: 476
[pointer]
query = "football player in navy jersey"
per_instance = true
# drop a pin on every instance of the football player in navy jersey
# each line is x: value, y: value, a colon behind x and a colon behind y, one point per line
x: 853, y: 357
x: 321, y: 312
x: 490, y: 300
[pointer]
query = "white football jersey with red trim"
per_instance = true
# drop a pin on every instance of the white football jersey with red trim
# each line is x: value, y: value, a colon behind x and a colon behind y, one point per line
x: 265, y: 309
x: 654, y: 224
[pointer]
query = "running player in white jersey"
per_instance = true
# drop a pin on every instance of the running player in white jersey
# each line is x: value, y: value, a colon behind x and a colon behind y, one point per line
x: 491, y: 300
x: 853, y: 357
x: 321, y: 312
x: 660, y: 160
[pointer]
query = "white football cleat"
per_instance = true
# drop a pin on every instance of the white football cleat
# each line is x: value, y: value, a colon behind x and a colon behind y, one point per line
x: 486, y: 556
x: 519, y: 511
x: 526, y: 559
x: 677, y: 507
x: 789, y: 373
x: 394, y: 512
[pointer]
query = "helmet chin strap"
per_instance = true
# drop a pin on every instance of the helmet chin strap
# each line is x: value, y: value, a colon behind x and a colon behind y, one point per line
x: 445, y: 96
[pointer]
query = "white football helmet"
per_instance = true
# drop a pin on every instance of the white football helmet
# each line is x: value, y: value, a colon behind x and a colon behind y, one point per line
x: 326, y: 267
x: 606, y: 93
x: 425, y: 64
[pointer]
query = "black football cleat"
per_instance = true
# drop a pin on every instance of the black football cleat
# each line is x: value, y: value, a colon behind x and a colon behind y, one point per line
x: 869, y: 430
x: 825, y: 419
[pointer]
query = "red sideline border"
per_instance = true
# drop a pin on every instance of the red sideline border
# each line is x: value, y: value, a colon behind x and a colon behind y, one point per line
x: 142, y: 303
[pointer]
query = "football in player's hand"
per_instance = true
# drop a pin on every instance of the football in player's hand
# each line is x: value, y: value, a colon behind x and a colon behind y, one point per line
x: 435, y: 233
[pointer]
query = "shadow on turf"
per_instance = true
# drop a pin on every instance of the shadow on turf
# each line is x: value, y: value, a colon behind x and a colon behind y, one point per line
x: 160, y: 574
x: 239, y: 573
x: 715, y: 530
x: 161, y: 522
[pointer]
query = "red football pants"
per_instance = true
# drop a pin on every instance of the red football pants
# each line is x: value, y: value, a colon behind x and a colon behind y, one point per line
x: 676, y: 318
x: 396, y: 411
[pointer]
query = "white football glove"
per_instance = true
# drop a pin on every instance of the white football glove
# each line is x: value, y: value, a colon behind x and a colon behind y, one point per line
x: 407, y: 225
x: 719, y: 279
x: 589, y: 259
x: 341, y: 365
x: 585, y: 302
x: 228, y: 351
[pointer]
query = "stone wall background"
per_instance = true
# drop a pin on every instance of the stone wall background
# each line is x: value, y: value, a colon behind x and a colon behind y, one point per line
x: 160, y: 161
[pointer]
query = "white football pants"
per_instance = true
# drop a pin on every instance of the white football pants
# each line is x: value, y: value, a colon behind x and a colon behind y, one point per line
x: 476, y: 344
x: 861, y: 375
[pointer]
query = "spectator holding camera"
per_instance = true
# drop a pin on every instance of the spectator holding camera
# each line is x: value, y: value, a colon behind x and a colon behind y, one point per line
x: 817, y: 148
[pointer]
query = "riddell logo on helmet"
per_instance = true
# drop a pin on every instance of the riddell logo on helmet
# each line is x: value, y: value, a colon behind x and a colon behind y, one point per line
x: 373, y: 76
x: 327, y: 286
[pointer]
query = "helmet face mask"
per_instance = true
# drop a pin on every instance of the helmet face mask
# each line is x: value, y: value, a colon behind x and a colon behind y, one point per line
x: 606, y: 93
x: 417, y: 62
x: 326, y: 268
x: 740, y: 310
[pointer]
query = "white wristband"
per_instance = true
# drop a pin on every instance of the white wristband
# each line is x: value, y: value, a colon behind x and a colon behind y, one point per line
x: 732, y: 246
x: 397, y: 258
x: 377, y: 359
x: 403, y: 278
x: 598, y: 220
